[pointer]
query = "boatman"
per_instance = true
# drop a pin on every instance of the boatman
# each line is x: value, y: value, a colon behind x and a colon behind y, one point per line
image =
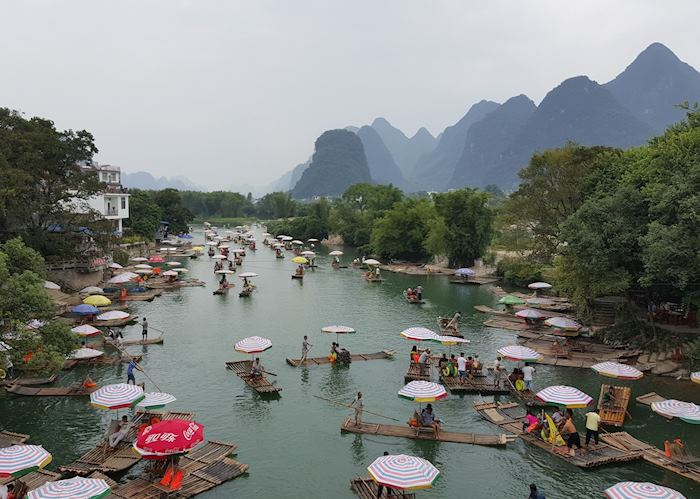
x: 358, y: 404
x: 423, y: 361
x: 144, y: 329
x: 130, y: 371
x: 528, y: 371
x: 257, y: 369
x: 305, y: 347
x: 419, y: 292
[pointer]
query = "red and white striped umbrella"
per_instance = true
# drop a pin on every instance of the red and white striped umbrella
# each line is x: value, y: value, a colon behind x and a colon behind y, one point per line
x: 253, y: 344
x: 641, y: 490
x: 617, y: 370
x: 423, y: 391
x: 116, y: 396
x: 18, y: 460
x: 86, y: 330
x: 687, y: 411
x: 403, y: 472
x: 566, y: 396
x: 530, y: 313
x: 519, y: 353
x: 166, y: 438
x: 419, y: 334
x: 72, y: 488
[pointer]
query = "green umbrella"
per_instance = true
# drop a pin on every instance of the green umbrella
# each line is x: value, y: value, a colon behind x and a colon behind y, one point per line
x: 511, y: 300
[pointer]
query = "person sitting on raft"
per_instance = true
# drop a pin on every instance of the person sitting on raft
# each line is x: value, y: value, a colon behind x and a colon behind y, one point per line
x: 333, y: 356
x: 257, y: 369
x: 609, y: 398
x: 415, y: 355
x: 428, y: 418
x: 116, y: 437
x: 300, y: 270
x: 530, y: 422
x: 223, y: 283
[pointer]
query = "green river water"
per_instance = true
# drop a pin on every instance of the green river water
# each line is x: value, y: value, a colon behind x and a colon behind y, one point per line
x: 293, y: 444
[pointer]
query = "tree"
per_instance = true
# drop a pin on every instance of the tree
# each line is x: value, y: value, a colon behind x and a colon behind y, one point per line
x: 43, y: 186
x: 144, y: 214
x: 172, y: 209
x: 553, y: 186
x: 402, y: 231
x: 468, y: 225
x: 276, y: 205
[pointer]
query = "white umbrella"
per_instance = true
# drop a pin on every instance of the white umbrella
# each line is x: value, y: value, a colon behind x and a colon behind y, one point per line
x: 144, y: 271
x: 111, y: 315
x: 86, y: 330
x: 138, y: 259
x: 248, y: 274
x: 155, y: 400
x: 122, y: 278
x: 335, y: 253
x: 115, y: 265
x: 219, y: 257
x: 143, y: 266
x: 308, y: 253
x: 169, y: 273
x: 253, y: 344
x: 92, y: 290
x: 85, y: 353
x: 51, y: 285
x: 225, y: 271
x: 539, y: 285
x: 641, y: 490
x: 173, y: 264
x: 71, y: 488
x: 296, y: 241
x: 372, y: 261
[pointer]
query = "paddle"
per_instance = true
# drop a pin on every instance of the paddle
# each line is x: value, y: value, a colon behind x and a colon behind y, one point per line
x: 351, y: 407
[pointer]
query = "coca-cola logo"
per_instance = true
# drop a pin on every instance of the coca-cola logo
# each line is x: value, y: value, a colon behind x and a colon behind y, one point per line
x: 190, y: 431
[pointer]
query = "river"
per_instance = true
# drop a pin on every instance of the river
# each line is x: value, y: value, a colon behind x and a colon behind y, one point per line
x: 293, y: 444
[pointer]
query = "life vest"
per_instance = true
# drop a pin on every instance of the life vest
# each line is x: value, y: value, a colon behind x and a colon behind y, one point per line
x: 519, y: 385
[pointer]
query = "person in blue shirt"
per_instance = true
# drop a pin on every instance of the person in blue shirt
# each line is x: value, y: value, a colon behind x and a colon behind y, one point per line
x: 534, y: 493
x: 130, y: 371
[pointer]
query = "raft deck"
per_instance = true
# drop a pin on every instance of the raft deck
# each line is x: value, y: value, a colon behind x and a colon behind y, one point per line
x: 260, y: 384
x: 35, y: 479
x: 413, y: 373
x: 113, y: 322
x: 151, y: 341
x: 511, y: 325
x: 315, y: 361
x: 204, y: 468
x: 51, y: 391
x: 106, y: 459
x: 8, y: 438
x: 614, y: 413
x: 687, y: 468
x: 407, y: 431
x: 366, y: 488
x: 509, y: 416
x: 478, y: 384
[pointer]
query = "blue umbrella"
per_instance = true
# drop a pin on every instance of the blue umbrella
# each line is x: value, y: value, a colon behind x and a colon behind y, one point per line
x: 85, y: 309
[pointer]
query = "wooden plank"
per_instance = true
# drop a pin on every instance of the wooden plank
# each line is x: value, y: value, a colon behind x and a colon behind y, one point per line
x: 8, y: 438
x: 413, y: 373
x: 35, y: 479
x: 315, y: 361
x: 409, y: 432
x: 614, y: 415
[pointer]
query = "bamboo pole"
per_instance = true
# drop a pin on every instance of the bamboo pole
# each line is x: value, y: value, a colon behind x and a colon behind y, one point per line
x: 340, y: 404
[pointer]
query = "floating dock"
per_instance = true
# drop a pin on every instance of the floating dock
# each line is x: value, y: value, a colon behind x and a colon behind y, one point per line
x: 509, y: 417
x: 204, y: 468
x: 407, y: 431
x: 366, y: 488
x: 260, y: 384
x: 316, y: 361
x: 106, y: 459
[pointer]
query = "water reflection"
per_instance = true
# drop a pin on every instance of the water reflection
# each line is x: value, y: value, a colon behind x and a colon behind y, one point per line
x: 359, y: 455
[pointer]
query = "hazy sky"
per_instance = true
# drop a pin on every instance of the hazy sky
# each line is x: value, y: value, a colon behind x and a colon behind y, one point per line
x: 230, y: 92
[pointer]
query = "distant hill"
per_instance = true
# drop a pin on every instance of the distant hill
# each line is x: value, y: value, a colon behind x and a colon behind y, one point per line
x: 434, y: 170
x: 579, y: 110
x: 287, y: 181
x: 382, y: 167
x: 338, y: 162
x: 146, y: 181
x: 404, y: 150
x: 653, y: 84
x: 486, y: 140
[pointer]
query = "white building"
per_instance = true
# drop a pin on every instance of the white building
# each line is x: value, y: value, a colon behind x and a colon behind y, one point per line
x: 113, y: 202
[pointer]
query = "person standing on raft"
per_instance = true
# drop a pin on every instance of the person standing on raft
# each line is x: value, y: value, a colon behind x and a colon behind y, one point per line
x: 358, y: 404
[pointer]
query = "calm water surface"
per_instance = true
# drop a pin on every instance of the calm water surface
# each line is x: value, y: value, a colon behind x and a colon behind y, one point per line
x: 293, y: 444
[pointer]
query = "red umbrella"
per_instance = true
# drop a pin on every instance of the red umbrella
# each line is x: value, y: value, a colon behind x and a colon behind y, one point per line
x: 174, y: 436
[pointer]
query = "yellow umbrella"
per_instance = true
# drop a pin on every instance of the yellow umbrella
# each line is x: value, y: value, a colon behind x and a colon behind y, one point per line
x: 97, y: 301
x: 299, y: 259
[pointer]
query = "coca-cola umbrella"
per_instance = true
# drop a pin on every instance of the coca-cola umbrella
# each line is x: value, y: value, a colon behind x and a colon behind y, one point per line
x: 169, y: 438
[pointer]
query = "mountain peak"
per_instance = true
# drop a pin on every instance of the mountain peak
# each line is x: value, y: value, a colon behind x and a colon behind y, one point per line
x: 422, y: 133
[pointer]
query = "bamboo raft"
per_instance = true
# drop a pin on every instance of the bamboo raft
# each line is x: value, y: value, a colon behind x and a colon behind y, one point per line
x: 141, y: 296
x: 316, y: 361
x: 374, y: 279
x: 151, y: 341
x: 366, y: 488
x: 413, y: 373
x: 189, y: 283
x: 260, y: 384
x: 105, y: 459
x: 35, y: 479
x: 29, y: 381
x: 648, y: 398
x: 410, y: 432
x: 475, y: 280
x: 114, y: 322
x: 614, y: 415
x: 508, y: 417
x: 478, y: 384
x: 444, y: 330
x: 512, y: 325
x: 204, y: 468
x: 8, y: 438
x: 104, y: 360
x: 51, y: 391
x: 686, y: 467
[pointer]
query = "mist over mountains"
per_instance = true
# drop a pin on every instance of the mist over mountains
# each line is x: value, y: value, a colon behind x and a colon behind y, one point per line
x: 493, y: 141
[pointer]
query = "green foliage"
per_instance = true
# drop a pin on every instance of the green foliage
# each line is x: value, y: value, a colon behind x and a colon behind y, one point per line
x: 519, y: 271
x: 42, y: 185
x: 19, y: 258
x: 314, y: 224
x: 402, y: 231
x: 172, y: 210
x: 276, y: 205
x: 48, y: 345
x: 218, y: 204
x: 469, y: 224
x: 120, y: 256
x: 144, y: 214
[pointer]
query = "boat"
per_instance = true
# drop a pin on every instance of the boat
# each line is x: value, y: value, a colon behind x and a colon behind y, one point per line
x: 221, y: 291
x: 150, y: 341
x: 51, y: 391
x: 245, y: 292
x: 32, y: 480
x: 508, y: 417
x: 140, y: 296
x: 651, y: 397
x: 408, y: 431
x: 8, y: 438
x: 30, y: 381
x: 373, y: 279
x: 413, y: 373
x: 316, y: 361
x: 112, y: 322
x: 258, y: 383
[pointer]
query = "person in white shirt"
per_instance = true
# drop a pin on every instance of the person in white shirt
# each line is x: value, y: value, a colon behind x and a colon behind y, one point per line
x: 462, y: 367
x: 358, y: 404
x: 528, y: 371
x: 497, y: 371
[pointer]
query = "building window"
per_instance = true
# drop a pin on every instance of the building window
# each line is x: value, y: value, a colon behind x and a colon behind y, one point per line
x: 112, y: 177
x: 123, y: 203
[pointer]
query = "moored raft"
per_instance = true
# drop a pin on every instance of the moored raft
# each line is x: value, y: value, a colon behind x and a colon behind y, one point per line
x: 260, y: 383
x: 366, y: 488
x: 30, y: 381
x: 34, y: 479
x: 315, y: 361
x: 410, y: 432
x: 478, y: 384
x: 140, y: 296
x: 158, y: 340
x: 508, y: 417
x: 51, y: 391
x: 105, y: 360
x: 8, y: 438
